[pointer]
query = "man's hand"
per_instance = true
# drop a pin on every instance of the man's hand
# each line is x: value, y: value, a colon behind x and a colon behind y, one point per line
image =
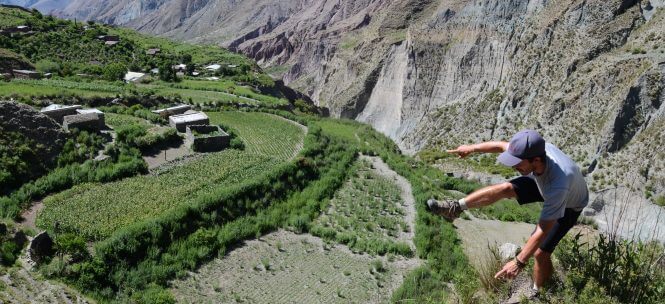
x: 462, y: 151
x: 509, y: 271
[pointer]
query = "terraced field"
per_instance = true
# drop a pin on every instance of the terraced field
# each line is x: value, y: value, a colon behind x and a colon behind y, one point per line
x: 367, y: 213
x: 198, y: 91
x: 264, y: 134
x: 95, y: 211
x: 284, y: 267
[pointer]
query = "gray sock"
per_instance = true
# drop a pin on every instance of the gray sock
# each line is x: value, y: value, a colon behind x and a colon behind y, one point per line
x: 462, y: 204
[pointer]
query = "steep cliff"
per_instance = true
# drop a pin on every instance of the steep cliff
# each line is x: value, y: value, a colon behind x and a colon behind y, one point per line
x: 435, y: 74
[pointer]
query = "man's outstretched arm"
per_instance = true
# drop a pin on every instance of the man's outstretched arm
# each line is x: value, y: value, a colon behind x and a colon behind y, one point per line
x: 510, y: 270
x: 486, y: 147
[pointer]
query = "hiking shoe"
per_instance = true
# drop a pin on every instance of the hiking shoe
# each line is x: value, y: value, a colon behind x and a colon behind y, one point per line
x: 449, y: 209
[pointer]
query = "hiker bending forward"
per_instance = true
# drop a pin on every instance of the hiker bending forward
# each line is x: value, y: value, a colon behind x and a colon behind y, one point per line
x: 549, y: 176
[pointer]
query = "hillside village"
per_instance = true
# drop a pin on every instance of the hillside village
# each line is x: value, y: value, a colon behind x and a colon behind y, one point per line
x: 138, y: 169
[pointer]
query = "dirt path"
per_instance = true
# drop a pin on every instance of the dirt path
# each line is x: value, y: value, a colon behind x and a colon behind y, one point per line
x: 477, y: 234
x: 30, y: 216
x: 408, y: 201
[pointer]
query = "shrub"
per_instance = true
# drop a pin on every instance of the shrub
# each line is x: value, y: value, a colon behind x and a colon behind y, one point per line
x: 627, y: 270
x: 47, y: 66
x: 115, y: 71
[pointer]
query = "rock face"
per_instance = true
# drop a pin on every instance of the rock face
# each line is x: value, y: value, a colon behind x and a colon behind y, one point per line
x: 434, y: 74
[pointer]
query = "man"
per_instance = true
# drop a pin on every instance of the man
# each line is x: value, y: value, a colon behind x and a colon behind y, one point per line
x: 549, y: 176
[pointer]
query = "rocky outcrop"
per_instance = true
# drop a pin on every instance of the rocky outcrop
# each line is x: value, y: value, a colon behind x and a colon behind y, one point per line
x: 44, y: 132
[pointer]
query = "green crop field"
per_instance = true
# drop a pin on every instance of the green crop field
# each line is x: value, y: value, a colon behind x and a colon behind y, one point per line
x: 95, y: 211
x: 263, y: 133
x: 32, y: 88
x: 338, y: 128
x: 116, y: 120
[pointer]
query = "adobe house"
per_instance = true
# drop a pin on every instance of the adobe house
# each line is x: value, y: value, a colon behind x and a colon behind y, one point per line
x: 153, y: 51
x: 179, y: 109
x: 57, y: 112
x: 108, y: 38
x: 181, y: 121
x: 100, y: 115
x: 26, y: 74
x: 88, y: 122
x: 205, y: 138
x: 17, y: 29
x: 134, y: 76
x: 213, y: 67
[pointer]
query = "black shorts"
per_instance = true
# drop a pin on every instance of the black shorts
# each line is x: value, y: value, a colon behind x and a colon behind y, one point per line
x: 527, y: 192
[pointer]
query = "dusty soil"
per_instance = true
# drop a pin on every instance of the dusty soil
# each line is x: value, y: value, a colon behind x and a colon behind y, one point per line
x: 284, y: 267
x: 29, y: 216
x: 164, y: 156
x: 478, y: 234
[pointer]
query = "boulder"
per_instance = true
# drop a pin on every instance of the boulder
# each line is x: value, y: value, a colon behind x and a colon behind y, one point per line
x: 589, y: 212
x: 41, y: 247
x: 508, y: 251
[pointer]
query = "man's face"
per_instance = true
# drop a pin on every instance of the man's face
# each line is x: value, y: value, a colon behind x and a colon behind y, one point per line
x: 525, y: 167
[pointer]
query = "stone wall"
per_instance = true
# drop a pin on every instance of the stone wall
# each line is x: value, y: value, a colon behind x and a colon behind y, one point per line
x: 202, y: 142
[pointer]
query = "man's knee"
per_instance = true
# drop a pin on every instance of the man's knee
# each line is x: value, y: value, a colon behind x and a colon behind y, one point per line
x: 543, y: 256
x: 507, y: 190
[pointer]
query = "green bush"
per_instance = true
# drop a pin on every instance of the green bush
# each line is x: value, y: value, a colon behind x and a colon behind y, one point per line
x: 47, y: 66
x: 626, y: 270
x: 9, y: 252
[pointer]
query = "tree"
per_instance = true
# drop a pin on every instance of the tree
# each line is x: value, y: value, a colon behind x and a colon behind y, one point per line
x: 166, y: 72
x: 190, y: 68
x: 186, y: 58
x: 115, y: 71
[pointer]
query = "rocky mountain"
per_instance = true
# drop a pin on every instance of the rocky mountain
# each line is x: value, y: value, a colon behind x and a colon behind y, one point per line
x: 434, y: 74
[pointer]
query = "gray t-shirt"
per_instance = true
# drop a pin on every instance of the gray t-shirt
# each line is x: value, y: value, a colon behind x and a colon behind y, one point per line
x: 561, y: 185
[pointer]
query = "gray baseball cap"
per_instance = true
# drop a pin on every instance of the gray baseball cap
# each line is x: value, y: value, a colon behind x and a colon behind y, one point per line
x: 524, y: 145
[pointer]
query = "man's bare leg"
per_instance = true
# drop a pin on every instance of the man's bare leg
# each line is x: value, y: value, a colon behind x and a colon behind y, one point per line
x: 451, y: 209
x: 489, y: 195
x: 542, y: 269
